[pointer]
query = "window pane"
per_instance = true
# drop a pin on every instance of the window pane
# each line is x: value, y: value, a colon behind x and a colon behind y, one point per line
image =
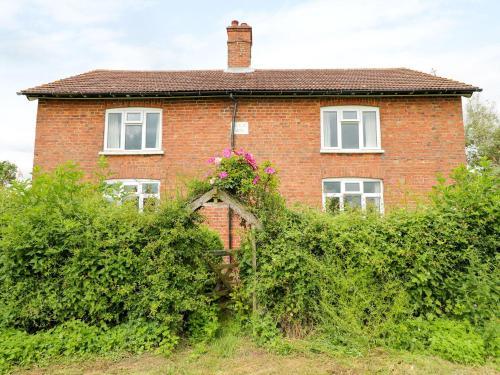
x: 350, y: 115
x: 352, y: 186
x: 352, y: 201
x: 152, y: 125
x: 133, y: 137
x: 130, y: 188
x: 331, y: 186
x: 350, y: 135
x: 114, y: 130
x: 332, y: 204
x: 373, y: 203
x: 150, y: 188
x: 370, y: 129
x: 330, y: 129
x: 133, y: 116
x: 371, y: 187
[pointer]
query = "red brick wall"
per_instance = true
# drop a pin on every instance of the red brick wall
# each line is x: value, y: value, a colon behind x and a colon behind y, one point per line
x: 216, y: 217
x: 421, y: 136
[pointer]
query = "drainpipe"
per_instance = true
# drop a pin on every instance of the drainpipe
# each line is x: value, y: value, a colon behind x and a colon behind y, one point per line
x: 232, y: 143
x: 233, y: 121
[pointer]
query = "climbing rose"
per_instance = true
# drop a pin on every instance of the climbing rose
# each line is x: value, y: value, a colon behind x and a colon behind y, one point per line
x: 217, y: 160
x: 270, y: 170
x: 250, y: 160
x: 211, y: 160
x: 256, y: 180
x: 223, y: 175
x: 226, y: 153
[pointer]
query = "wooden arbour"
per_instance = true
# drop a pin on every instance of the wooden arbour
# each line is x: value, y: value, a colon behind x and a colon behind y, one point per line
x: 233, y: 203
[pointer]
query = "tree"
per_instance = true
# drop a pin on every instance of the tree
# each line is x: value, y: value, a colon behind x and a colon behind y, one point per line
x: 482, y: 132
x: 8, y: 172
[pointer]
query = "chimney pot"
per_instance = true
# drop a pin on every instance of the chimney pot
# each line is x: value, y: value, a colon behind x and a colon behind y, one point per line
x: 234, y: 23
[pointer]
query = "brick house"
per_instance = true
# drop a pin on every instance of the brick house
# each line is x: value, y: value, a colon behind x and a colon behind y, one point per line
x: 354, y: 136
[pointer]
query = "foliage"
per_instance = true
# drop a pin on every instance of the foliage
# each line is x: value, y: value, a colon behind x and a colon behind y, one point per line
x: 238, y: 173
x: 482, y: 130
x: 355, y: 277
x: 76, y: 338
x: 8, y: 172
x: 450, y: 339
x: 66, y: 253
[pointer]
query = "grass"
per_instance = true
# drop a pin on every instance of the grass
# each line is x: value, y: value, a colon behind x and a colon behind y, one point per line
x: 235, y: 354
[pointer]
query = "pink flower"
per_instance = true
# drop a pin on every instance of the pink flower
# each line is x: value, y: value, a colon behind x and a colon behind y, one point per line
x: 226, y: 153
x: 250, y: 160
x: 256, y: 180
x: 270, y: 170
x: 239, y: 152
x: 211, y: 160
x: 223, y: 175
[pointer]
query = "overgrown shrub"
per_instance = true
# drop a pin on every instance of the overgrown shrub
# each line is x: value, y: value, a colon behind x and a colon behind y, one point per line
x: 355, y: 277
x: 75, y: 338
x: 453, y: 340
x: 67, y: 253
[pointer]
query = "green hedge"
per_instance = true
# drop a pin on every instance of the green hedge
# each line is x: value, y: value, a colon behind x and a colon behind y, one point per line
x: 78, y: 339
x: 357, y: 277
x: 67, y: 253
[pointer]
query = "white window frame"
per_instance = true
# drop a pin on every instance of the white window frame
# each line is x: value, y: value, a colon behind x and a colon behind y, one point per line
x: 343, y: 192
x: 138, y: 183
x: 142, y: 122
x: 359, y: 110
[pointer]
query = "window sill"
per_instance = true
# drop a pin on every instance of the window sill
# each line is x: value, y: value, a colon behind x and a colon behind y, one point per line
x: 329, y: 151
x: 132, y: 152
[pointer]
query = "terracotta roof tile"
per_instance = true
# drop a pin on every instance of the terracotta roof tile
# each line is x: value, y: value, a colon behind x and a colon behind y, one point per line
x: 215, y: 82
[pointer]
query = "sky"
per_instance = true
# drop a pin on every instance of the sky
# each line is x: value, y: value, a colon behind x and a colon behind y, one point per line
x: 45, y: 40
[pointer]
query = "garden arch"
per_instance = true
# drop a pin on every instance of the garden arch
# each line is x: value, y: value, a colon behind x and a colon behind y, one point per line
x: 252, y: 222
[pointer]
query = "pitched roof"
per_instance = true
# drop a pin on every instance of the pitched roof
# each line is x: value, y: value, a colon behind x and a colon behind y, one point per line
x: 124, y: 83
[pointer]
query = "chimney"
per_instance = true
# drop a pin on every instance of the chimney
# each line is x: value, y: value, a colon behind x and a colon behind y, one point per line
x: 239, y: 47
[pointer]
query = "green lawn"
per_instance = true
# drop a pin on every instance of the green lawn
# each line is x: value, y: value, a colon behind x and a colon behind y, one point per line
x: 239, y: 355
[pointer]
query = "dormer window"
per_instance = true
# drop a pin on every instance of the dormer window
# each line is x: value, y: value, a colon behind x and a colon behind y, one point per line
x: 133, y: 131
x: 350, y: 129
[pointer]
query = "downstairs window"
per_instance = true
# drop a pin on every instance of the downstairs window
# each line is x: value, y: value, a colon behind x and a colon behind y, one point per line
x: 340, y: 193
x: 145, y: 193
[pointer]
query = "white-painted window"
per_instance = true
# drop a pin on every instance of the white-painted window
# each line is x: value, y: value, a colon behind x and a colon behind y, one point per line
x: 340, y: 193
x: 145, y: 193
x: 350, y: 129
x: 133, y: 130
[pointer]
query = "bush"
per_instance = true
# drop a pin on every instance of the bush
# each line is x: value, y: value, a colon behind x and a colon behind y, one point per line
x: 453, y: 340
x: 355, y: 277
x: 238, y: 173
x: 75, y: 338
x: 66, y: 254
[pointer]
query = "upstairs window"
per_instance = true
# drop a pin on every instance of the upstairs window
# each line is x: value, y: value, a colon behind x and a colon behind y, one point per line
x: 145, y: 193
x: 366, y: 194
x: 132, y: 129
x: 355, y: 129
